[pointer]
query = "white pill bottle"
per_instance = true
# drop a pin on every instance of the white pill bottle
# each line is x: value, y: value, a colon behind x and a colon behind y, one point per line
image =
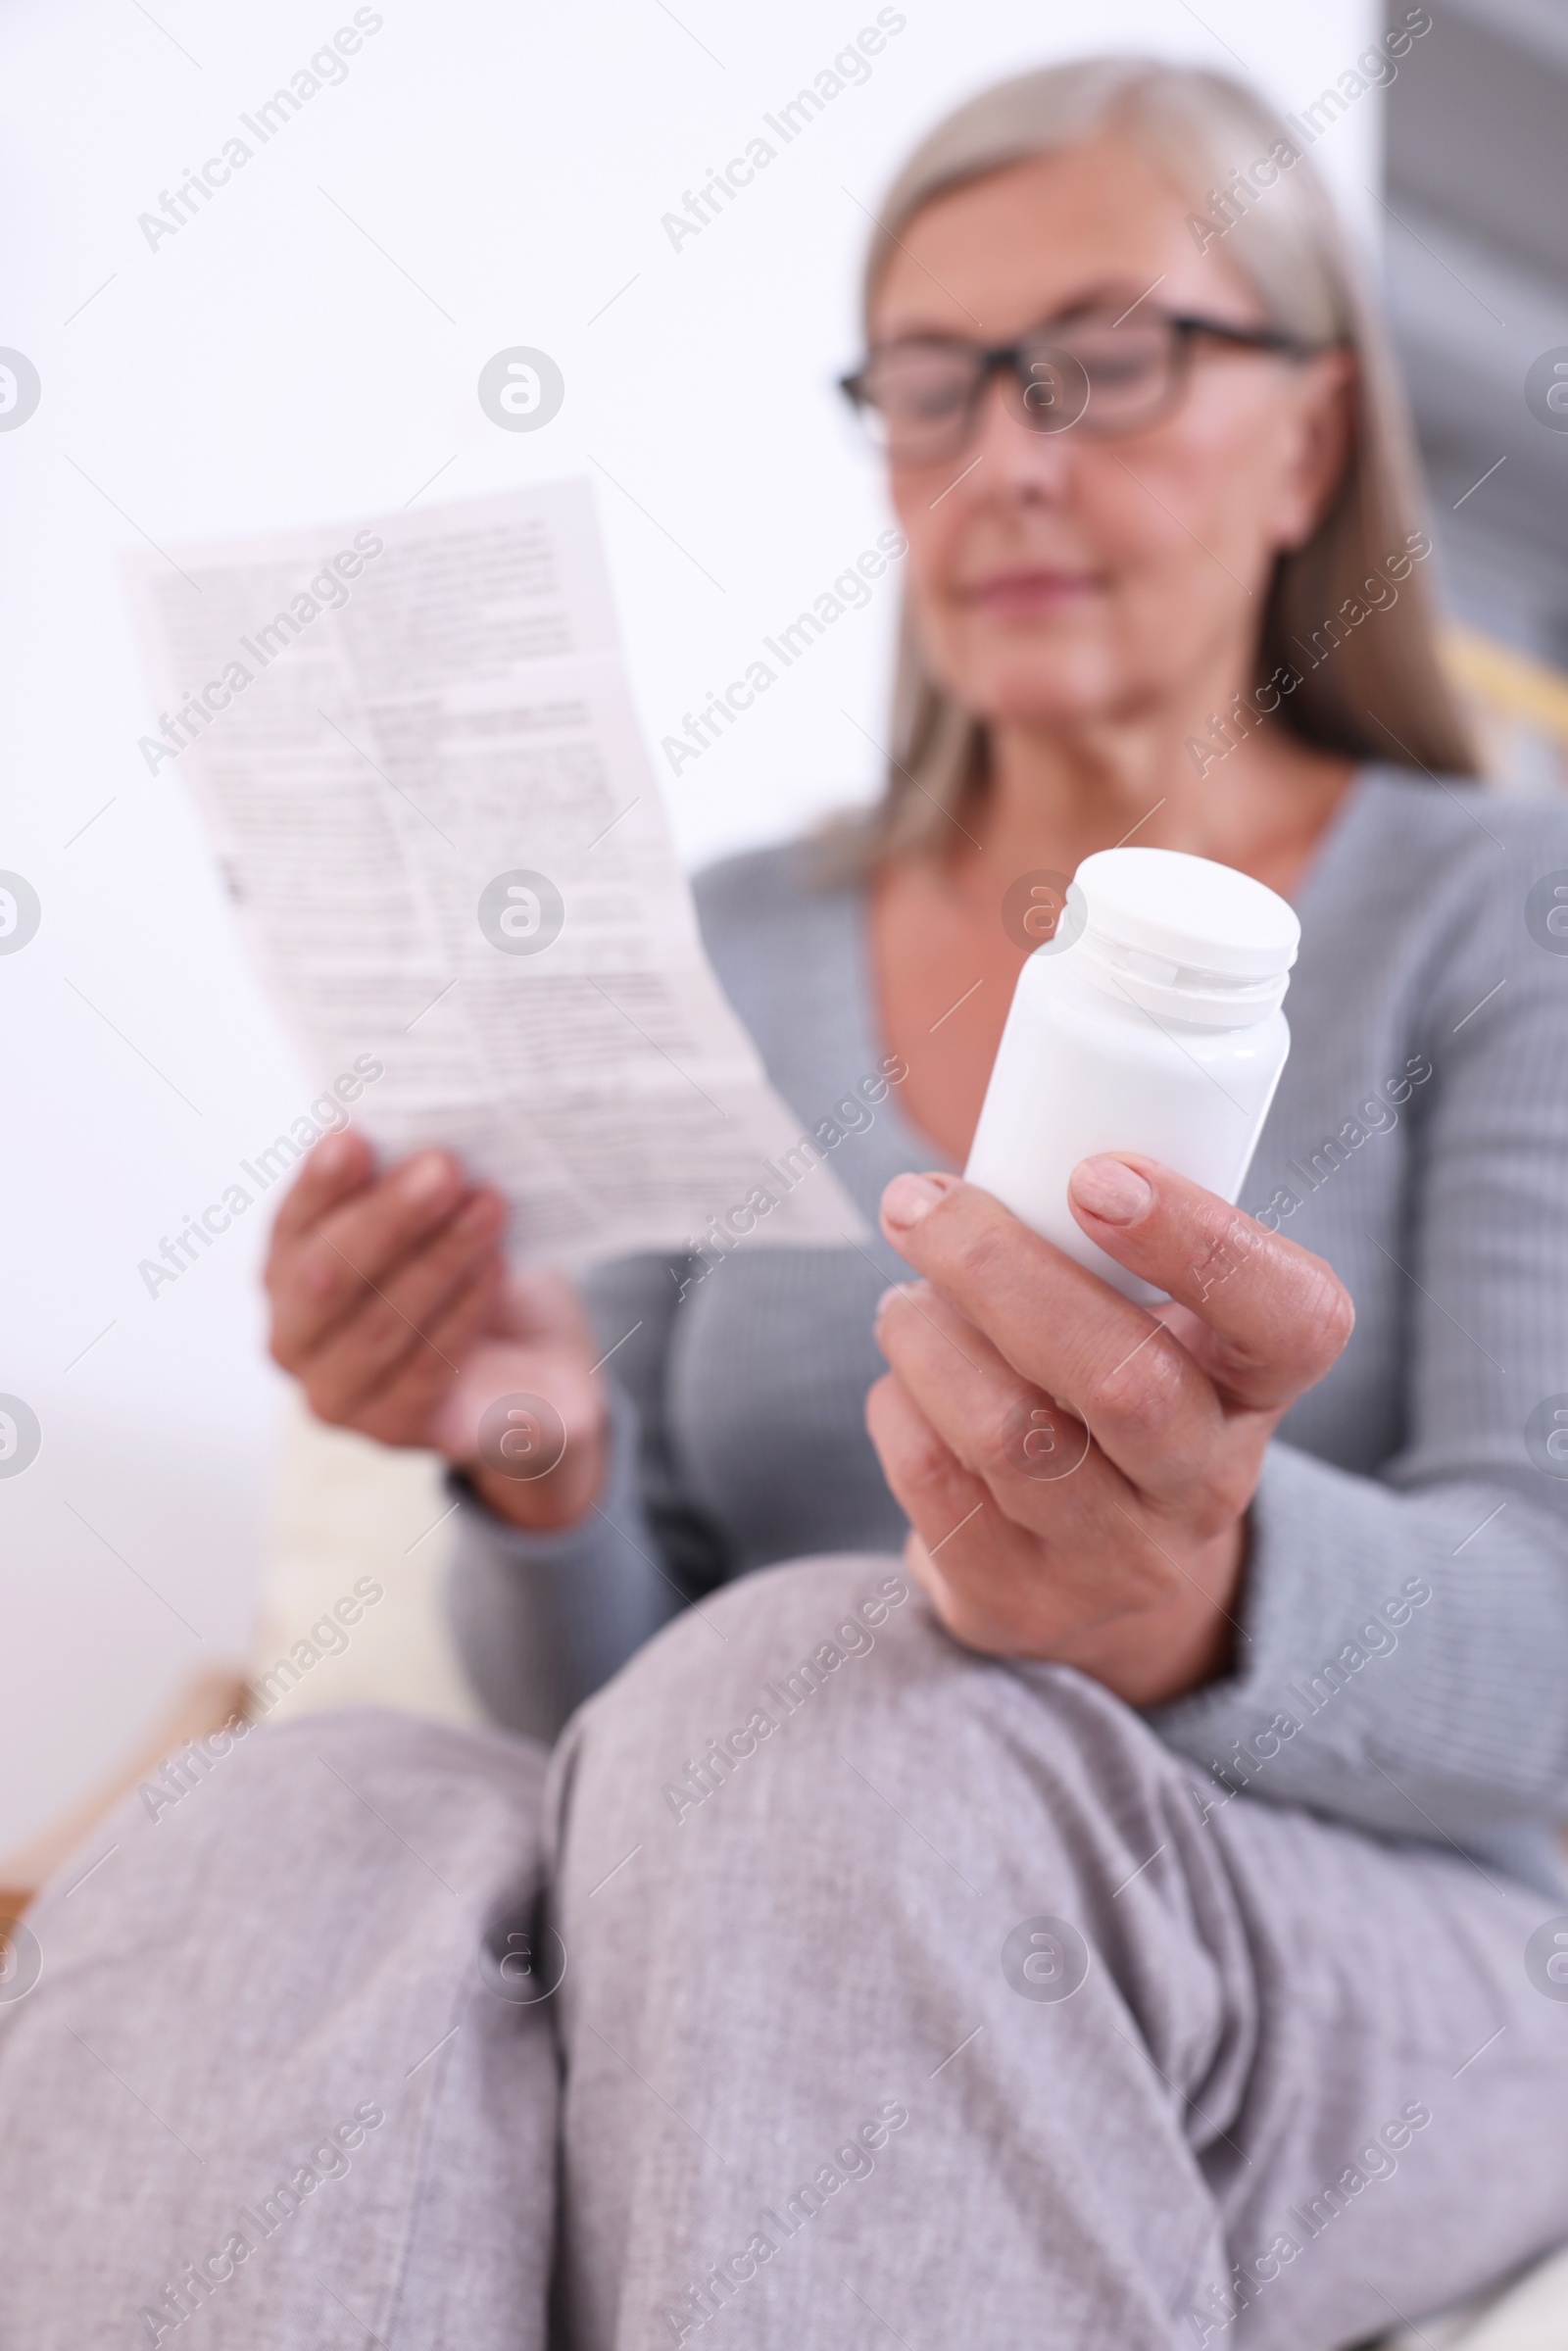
x: 1149, y: 1022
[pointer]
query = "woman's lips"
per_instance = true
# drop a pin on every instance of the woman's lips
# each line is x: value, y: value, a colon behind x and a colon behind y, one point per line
x: 1023, y: 595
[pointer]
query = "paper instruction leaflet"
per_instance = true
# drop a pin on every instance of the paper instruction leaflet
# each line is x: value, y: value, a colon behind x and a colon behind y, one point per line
x: 413, y: 745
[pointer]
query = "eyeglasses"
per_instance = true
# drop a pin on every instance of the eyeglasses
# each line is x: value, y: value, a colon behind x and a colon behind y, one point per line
x: 920, y: 396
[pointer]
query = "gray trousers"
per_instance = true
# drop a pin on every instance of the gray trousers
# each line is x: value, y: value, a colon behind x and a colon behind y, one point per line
x: 829, y: 1987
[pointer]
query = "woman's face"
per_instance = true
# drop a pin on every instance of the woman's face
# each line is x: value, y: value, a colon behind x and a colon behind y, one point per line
x: 1057, y: 580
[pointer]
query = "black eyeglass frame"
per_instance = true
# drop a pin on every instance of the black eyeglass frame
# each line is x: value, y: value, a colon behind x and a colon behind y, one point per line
x: 1016, y: 358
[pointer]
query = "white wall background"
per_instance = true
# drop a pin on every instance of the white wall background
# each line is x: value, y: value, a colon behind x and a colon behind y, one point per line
x: 305, y: 348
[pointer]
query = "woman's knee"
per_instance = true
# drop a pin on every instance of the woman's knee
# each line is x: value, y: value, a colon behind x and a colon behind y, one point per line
x: 826, y: 1690
x: 767, y: 1623
x: 307, y: 1835
x: 316, y: 1778
x: 820, y: 1779
x: 795, y: 1651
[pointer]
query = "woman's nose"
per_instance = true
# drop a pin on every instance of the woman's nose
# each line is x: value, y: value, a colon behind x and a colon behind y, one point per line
x: 1006, y: 454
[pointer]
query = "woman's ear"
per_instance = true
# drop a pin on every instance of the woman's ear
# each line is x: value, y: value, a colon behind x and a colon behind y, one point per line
x: 1319, y: 434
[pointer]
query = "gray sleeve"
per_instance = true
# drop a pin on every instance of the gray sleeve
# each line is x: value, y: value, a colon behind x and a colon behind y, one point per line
x: 1403, y: 1653
x: 542, y: 1620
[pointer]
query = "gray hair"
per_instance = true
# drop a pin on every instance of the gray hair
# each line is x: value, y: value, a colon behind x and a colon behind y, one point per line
x: 1385, y: 695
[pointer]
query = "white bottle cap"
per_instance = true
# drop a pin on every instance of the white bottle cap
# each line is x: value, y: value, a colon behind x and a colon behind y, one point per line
x: 1182, y: 936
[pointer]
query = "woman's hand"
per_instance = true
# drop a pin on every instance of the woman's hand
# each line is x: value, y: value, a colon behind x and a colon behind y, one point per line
x: 393, y: 1310
x: 1077, y: 1471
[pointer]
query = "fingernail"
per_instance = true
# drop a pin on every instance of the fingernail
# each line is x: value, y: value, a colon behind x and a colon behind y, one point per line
x: 903, y: 1289
x: 426, y: 1176
x: 909, y: 1197
x: 1110, y: 1190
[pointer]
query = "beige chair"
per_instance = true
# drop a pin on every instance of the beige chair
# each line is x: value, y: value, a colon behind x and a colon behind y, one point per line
x: 350, y: 1513
x: 1520, y: 707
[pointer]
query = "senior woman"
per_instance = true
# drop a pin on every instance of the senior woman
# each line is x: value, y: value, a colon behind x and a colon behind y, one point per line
x: 1129, y: 1917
